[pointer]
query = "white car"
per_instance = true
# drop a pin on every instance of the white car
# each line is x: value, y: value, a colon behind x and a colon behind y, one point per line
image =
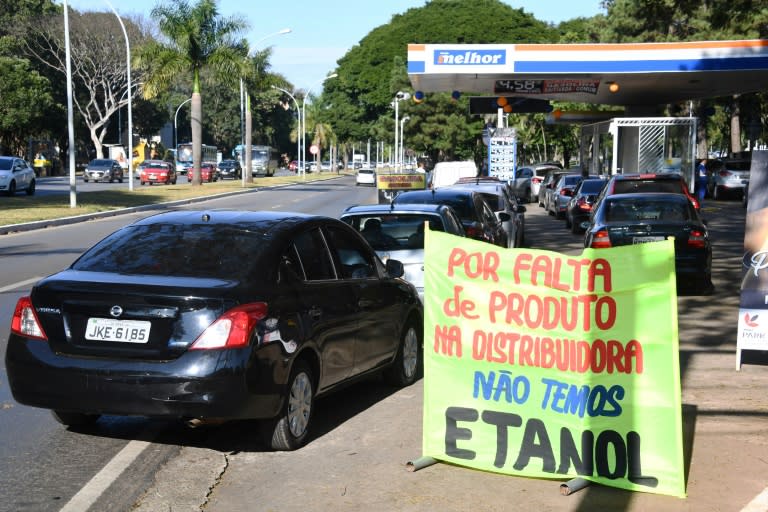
x: 16, y: 174
x: 397, y: 232
x: 366, y: 177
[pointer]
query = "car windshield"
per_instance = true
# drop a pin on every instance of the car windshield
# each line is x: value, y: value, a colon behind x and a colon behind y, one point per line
x: 592, y: 186
x: 646, y: 209
x: 101, y: 163
x: 392, y: 232
x: 212, y: 251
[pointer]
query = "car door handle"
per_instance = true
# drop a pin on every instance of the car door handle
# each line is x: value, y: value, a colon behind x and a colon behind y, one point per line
x: 365, y: 303
x: 315, y: 312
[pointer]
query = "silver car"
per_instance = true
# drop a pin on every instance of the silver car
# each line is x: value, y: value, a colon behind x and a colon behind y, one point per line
x: 528, y: 180
x: 16, y: 174
x: 103, y: 169
x: 728, y: 178
x: 397, y: 232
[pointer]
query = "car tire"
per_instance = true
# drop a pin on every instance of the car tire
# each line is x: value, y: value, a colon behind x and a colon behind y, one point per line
x: 527, y: 195
x: 31, y: 188
x: 716, y: 194
x: 575, y: 228
x: 85, y: 180
x: 289, y: 430
x: 174, y: 181
x: 408, y: 365
x: 11, y: 188
x: 120, y: 179
x: 568, y: 222
x: 75, y: 419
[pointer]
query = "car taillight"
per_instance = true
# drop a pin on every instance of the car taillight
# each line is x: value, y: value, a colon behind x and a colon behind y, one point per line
x: 25, y: 322
x: 233, y: 329
x: 583, y: 205
x: 600, y: 240
x: 536, y: 180
x: 697, y: 239
x: 724, y: 174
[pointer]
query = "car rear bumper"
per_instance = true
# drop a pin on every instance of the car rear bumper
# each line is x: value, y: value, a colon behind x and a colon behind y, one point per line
x: 228, y: 384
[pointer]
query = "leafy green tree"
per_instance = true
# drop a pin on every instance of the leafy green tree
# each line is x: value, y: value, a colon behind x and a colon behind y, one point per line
x: 198, y: 38
x: 25, y: 96
x: 371, y: 73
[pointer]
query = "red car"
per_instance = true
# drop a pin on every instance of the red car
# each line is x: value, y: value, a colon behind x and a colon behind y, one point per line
x: 156, y: 171
x: 293, y: 166
x: 208, y: 173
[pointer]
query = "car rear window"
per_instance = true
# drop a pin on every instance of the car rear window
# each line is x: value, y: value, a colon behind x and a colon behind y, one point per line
x: 630, y: 186
x: 400, y: 231
x: 215, y: 251
x: 645, y: 210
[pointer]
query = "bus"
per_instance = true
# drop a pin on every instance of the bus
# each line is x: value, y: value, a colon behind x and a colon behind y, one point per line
x: 208, y: 154
x: 264, y: 159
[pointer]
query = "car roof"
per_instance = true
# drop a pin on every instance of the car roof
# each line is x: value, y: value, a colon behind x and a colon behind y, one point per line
x: 648, y: 176
x: 434, y: 194
x: 396, y: 208
x: 667, y: 196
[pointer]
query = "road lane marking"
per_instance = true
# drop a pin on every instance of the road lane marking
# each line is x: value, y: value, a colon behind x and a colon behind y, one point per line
x: 19, y: 284
x: 101, y: 481
x: 759, y: 504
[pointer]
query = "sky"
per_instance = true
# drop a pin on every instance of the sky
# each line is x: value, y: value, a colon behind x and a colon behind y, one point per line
x: 322, y: 31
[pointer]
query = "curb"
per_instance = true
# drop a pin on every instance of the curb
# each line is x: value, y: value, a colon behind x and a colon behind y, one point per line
x: 63, y: 221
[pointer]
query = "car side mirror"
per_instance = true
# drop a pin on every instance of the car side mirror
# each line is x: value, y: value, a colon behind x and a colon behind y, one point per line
x: 395, y: 268
x: 504, y: 216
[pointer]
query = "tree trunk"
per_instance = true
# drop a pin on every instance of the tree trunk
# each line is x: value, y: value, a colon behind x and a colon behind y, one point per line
x: 196, y: 115
x: 735, y: 125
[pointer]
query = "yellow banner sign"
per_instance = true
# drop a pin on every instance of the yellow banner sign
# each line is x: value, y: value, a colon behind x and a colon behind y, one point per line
x: 546, y: 365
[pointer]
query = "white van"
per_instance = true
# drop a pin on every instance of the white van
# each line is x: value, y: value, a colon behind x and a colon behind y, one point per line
x: 448, y: 173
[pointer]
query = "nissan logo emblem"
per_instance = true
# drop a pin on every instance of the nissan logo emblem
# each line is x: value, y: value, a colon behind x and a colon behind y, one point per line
x: 116, y: 311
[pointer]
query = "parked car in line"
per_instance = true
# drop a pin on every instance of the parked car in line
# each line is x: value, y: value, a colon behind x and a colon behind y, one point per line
x: 365, y: 177
x: 157, y: 171
x: 448, y: 173
x: 215, y: 314
x: 727, y: 178
x: 16, y: 174
x: 293, y: 165
x: 632, y: 218
x: 397, y: 231
x: 558, y: 196
x: 208, y: 173
x: 579, y: 207
x: 528, y: 179
x: 647, y: 182
x: 498, y: 196
x: 548, y: 183
x: 103, y: 169
x: 230, y: 169
x: 477, y: 217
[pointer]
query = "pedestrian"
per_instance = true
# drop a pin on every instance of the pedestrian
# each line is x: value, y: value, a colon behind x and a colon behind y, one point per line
x: 420, y: 168
x: 701, y: 180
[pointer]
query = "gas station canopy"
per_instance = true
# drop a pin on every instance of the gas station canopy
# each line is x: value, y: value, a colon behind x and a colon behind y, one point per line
x: 628, y: 74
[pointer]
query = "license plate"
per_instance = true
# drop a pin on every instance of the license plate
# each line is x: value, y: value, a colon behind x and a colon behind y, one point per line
x: 109, y: 329
x: 646, y: 239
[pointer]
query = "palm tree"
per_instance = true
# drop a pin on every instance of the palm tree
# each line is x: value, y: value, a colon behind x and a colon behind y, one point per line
x: 199, y: 38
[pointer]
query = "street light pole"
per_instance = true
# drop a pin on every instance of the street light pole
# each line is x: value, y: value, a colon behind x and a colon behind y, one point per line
x: 404, y: 120
x: 298, y: 128
x: 304, y: 113
x: 175, y: 118
x: 245, y: 111
x: 70, y: 114
x: 130, y: 102
x: 398, y: 97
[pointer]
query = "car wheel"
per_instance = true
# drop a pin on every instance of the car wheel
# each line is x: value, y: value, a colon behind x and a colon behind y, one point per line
x: 575, y: 228
x: 716, y: 194
x: 174, y: 181
x: 11, y: 188
x: 31, y: 188
x: 120, y: 179
x: 289, y: 431
x: 75, y: 419
x: 407, y: 365
x: 527, y: 195
x: 85, y: 180
x: 568, y: 223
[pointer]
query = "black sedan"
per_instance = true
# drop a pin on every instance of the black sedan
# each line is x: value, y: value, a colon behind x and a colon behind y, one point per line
x: 230, y: 169
x: 579, y: 207
x: 626, y: 219
x: 211, y: 315
x: 477, y: 216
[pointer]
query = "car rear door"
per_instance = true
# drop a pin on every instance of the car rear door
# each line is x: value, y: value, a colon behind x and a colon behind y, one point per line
x: 377, y: 299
